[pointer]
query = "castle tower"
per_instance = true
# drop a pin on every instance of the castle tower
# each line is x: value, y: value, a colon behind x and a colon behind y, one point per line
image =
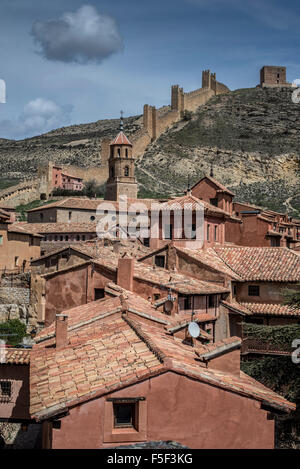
x: 121, y: 180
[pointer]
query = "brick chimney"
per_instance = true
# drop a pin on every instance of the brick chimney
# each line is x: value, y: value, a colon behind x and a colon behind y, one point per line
x: 61, y: 330
x: 125, y: 273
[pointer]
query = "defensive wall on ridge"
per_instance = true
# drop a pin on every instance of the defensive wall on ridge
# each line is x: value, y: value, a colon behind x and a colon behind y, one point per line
x: 154, y: 123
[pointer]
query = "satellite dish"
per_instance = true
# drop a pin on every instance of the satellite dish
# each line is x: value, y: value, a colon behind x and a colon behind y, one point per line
x: 194, y: 329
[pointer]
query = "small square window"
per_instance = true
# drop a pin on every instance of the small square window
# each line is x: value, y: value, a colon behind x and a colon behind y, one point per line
x: 124, y: 415
x: 253, y: 290
x: 160, y: 261
x: 5, y: 391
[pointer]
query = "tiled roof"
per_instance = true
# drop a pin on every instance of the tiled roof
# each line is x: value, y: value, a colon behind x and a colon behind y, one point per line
x: 56, y: 228
x: 23, y: 229
x: 107, y: 353
x: 236, y: 307
x: 83, y: 203
x: 271, y: 309
x: 16, y: 356
x: 164, y: 278
x: 94, y: 249
x: 262, y: 263
x: 121, y: 139
x: 211, y: 259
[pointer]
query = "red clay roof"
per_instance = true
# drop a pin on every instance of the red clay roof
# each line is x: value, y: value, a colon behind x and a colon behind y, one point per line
x: 23, y: 229
x: 56, y: 228
x: 15, y: 356
x: 209, y: 258
x: 121, y: 139
x: 107, y: 353
x: 262, y: 263
x: 83, y: 203
x: 271, y: 309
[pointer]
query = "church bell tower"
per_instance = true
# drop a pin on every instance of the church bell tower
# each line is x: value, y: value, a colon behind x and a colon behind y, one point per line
x: 121, y: 180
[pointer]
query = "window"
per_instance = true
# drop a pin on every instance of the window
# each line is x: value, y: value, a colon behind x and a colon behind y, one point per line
x: 112, y: 172
x: 99, y: 293
x: 41, y: 216
x: 67, y: 238
x: 168, y: 232
x: 125, y: 419
x: 207, y: 232
x: 253, y: 290
x: 156, y: 296
x: 126, y: 171
x: 92, y: 218
x: 146, y: 242
x: 70, y: 215
x: 126, y: 152
x: 1, y: 239
x: 5, y: 391
x: 216, y: 233
x: 16, y: 261
x: 187, y: 302
x: 119, y: 152
x: 214, y: 202
x: 211, y: 301
x: 124, y: 415
x: 160, y: 261
x: 77, y: 237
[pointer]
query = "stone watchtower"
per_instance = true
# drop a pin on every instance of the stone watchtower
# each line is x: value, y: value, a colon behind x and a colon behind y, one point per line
x: 121, y: 180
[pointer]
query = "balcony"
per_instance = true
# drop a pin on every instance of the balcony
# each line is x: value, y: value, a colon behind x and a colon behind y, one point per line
x: 259, y: 347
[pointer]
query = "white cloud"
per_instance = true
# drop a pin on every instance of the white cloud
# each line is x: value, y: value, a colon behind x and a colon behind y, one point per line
x: 82, y: 36
x: 39, y: 116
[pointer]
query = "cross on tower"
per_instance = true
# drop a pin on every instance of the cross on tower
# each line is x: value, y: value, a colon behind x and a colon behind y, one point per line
x: 121, y: 121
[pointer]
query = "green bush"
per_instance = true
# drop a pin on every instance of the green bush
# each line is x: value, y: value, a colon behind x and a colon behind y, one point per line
x: 279, y: 335
x: 12, y: 331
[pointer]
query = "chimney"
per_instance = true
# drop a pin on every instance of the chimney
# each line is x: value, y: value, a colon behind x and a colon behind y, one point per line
x: 61, y: 330
x: 125, y: 273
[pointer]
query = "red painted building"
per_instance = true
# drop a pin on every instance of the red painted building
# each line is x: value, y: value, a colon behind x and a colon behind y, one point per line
x: 62, y: 180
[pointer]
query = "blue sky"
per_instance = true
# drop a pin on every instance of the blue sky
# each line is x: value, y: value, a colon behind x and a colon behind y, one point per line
x: 71, y: 61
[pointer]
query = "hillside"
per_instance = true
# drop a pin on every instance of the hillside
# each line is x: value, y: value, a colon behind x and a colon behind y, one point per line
x: 251, y: 138
x: 77, y: 144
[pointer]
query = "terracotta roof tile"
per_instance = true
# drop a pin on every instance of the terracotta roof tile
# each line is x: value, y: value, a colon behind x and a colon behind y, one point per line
x: 211, y: 259
x: 106, y: 354
x: 271, y: 309
x: 17, y: 356
x: 262, y: 263
x: 121, y: 139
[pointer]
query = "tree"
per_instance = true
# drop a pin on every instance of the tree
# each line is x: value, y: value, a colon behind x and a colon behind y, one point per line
x: 12, y: 331
x: 93, y: 189
x: 291, y: 297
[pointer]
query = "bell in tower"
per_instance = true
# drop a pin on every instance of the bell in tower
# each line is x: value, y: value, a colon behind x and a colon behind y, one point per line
x: 121, y: 179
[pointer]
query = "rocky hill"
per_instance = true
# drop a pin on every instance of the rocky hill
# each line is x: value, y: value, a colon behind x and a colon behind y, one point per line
x: 77, y: 144
x: 250, y: 137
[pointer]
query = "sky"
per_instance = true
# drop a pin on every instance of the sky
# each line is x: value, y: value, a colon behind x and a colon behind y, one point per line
x: 70, y: 62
